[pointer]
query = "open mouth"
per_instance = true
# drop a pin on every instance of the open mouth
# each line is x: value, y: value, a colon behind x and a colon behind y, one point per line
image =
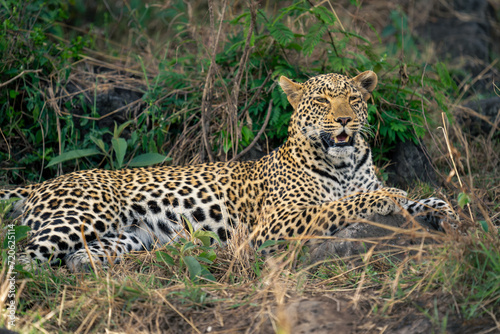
x: 341, y: 140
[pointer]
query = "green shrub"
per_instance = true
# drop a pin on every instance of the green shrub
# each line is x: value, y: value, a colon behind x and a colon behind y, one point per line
x: 298, y: 41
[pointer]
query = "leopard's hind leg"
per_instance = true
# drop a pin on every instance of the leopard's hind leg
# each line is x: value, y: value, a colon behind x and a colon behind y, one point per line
x: 105, y: 250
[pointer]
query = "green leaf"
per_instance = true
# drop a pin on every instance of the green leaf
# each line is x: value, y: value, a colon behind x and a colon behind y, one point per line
x: 269, y: 243
x: 187, y: 246
x: 294, y: 46
x: 204, y: 240
x: 281, y: 33
x: 6, y: 205
x: 118, y: 130
x: 193, y: 266
x: 209, y: 255
x: 313, y: 37
x: 13, y: 93
x: 279, y: 98
x: 148, y: 159
x: 164, y: 257
x: 398, y: 126
x: 99, y: 143
x: 443, y: 74
x: 120, y: 148
x: 172, y: 250
x: 227, y: 145
x: 204, y: 259
x: 275, y: 115
x: 247, y: 135
x: 463, y: 199
x: 20, y: 233
x: 238, y: 18
x: 71, y: 155
x: 199, y: 234
x: 188, y: 223
x: 298, y: 8
x: 207, y: 274
x: 484, y: 225
x: 324, y: 15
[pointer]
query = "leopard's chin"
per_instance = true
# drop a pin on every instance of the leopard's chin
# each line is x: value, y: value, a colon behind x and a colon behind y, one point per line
x: 340, y: 141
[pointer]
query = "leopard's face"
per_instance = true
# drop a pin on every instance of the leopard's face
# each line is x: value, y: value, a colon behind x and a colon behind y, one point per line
x: 330, y: 110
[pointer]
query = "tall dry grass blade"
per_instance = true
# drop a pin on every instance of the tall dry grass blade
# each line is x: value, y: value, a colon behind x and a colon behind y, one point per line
x: 446, y: 138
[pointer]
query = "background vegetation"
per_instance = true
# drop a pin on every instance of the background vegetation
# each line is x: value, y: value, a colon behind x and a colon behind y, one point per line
x: 125, y: 84
x: 193, y: 92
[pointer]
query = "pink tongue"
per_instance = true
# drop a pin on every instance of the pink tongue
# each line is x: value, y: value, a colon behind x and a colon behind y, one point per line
x: 342, y: 137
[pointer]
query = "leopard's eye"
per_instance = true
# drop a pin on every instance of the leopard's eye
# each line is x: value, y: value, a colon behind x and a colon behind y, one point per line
x: 321, y: 100
x: 353, y: 99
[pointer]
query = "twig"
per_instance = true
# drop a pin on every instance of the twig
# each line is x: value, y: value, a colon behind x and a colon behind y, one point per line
x: 207, y: 90
x: 261, y: 131
x: 57, y: 111
x: 494, y: 127
x: 85, y: 322
x: 233, y: 100
x: 474, y: 113
x: 6, y: 142
x: 257, y: 94
x: 473, y: 81
x: 18, y: 76
x: 244, y: 57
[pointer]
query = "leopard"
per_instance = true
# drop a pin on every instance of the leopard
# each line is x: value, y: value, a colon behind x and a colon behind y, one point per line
x: 319, y: 181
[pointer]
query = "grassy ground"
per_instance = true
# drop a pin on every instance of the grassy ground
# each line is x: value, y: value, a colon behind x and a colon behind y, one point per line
x: 180, y: 90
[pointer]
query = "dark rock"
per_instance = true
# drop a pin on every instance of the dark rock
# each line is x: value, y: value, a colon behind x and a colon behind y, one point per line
x: 318, y: 316
x: 412, y: 324
x: 6, y: 331
x: 112, y: 105
x: 254, y: 153
x: 472, y: 121
x: 344, y: 246
x: 410, y: 163
x: 461, y: 31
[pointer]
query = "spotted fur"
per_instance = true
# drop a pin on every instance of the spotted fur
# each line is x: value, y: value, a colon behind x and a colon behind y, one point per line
x: 321, y: 179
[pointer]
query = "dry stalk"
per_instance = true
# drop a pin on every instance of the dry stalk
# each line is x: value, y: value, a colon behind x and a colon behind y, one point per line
x: 445, y: 133
x: 18, y: 76
x: 240, y: 253
x: 87, y: 248
x: 206, y: 103
x: 6, y: 143
x: 233, y: 100
x: 441, y: 152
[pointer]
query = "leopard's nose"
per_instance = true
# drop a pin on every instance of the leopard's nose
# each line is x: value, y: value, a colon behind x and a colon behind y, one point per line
x: 343, y: 120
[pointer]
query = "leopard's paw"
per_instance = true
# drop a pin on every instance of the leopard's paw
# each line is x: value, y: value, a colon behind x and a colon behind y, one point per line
x: 391, y: 200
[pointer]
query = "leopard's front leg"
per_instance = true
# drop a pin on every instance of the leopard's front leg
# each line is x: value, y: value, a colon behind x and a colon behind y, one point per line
x: 327, y: 218
x: 432, y: 210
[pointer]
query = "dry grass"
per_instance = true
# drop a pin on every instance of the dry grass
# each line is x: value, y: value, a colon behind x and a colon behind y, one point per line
x: 253, y: 295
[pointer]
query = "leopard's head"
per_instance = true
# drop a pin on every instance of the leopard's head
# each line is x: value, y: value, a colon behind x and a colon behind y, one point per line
x: 330, y: 109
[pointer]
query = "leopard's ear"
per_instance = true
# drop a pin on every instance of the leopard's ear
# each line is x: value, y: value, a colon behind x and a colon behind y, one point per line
x: 366, y: 83
x: 293, y: 90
